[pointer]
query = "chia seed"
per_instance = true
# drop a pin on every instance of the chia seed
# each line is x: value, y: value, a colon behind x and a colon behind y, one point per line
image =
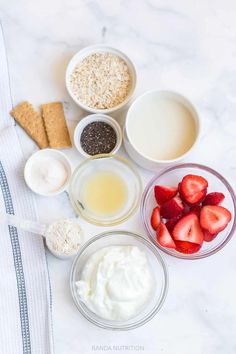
x: 98, y: 138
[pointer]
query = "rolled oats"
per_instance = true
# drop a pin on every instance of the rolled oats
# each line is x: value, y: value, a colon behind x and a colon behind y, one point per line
x: 101, y: 81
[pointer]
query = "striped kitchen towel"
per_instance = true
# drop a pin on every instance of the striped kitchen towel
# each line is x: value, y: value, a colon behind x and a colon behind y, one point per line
x: 25, y: 298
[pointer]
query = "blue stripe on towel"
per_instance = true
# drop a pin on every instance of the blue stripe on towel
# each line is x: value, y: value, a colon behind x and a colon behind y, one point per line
x: 24, y: 319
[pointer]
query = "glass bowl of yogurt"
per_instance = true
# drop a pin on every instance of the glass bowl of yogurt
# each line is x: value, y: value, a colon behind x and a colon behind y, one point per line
x: 119, y: 280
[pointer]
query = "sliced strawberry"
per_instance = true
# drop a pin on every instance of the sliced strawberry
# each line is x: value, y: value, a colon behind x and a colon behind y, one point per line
x: 214, y: 198
x: 192, y: 209
x: 188, y: 229
x: 196, y: 209
x: 207, y: 236
x: 214, y: 218
x: 192, y: 184
x: 172, y: 208
x: 197, y: 198
x: 187, y: 247
x: 164, y: 193
x: 155, y: 218
x: 180, y: 190
x: 194, y: 199
x: 164, y: 237
x: 193, y: 189
x: 170, y: 224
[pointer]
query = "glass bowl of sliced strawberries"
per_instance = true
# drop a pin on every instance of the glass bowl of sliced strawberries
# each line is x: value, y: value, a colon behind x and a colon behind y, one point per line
x: 189, y: 211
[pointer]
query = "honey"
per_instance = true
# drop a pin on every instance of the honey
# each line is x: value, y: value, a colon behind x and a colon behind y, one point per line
x: 104, y: 193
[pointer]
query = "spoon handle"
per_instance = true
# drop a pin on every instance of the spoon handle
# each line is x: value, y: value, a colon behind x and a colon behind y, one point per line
x: 24, y: 224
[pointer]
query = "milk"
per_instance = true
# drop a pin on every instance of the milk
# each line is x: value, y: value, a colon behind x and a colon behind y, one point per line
x: 161, y: 128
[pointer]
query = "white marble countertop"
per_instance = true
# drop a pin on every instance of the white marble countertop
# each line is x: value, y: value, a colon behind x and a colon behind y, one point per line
x: 187, y: 46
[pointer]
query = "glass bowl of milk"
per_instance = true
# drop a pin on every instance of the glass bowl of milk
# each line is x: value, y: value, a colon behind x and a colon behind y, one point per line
x: 119, y: 280
x: 161, y: 128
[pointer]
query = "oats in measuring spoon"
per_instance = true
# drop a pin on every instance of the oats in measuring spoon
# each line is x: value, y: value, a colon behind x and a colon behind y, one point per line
x: 101, y: 81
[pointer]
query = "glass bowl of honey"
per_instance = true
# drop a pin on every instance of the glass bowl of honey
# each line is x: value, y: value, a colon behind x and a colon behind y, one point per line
x: 105, y: 189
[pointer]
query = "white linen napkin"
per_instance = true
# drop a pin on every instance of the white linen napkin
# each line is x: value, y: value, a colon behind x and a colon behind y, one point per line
x: 25, y: 295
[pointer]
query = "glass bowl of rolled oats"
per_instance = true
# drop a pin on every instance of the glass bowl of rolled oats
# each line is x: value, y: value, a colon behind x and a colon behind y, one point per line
x: 100, y: 79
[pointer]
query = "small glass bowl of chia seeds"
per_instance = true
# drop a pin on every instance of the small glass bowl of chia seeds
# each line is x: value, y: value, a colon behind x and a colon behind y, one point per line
x: 97, y: 134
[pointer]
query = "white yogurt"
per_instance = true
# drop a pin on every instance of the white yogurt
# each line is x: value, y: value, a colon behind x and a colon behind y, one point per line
x: 116, y: 282
x: 161, y: 127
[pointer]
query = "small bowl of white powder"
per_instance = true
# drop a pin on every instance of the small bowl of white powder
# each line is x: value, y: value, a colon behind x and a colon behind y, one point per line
x: 100, y: 79
x: 47, y: 172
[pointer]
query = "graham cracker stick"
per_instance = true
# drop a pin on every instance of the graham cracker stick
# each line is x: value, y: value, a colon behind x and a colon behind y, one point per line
x: 55, y: 124
x: 32, y: 122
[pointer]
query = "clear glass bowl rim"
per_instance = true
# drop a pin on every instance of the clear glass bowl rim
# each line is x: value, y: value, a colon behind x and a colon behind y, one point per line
x: 176, y: 167
x: 159, y: 258
x: 130, y: 212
